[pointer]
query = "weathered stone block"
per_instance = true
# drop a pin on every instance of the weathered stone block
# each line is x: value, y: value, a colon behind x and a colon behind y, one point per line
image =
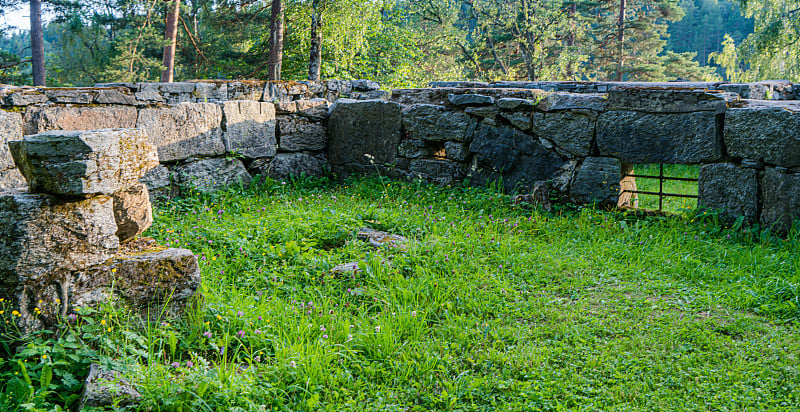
x: 597, y: 181
x: 115, y: 96
x: 635, y: 137
x: 46, y: 118
x: 315, y: 109
x: 298, y: 133
x: 364, y: 127
x: 152, y: 283
x: 456, y: 151
x: 668, y: 99
x: 470, y: 100
x: 511, y: 104
x: 156, y: 178
x: 78, y: 163
x: 10, y: 129
x: 184, y: 130
x: 780, y: 194
x: 209, y: 175
x: 132, y: 211
x: 364, y: 85
x: 520, y: 120
x: 570, y: 131
x: 414, y: 149
x: 519, y: 159
x: 249, y: 128
x: 285, y: 164
x: 26, y: 98
x: 42, y: 239
x: 730, y: 189
x: 70, y: 96
x: 435, y: 123
x: 573, y: 101
x: 768, y: 132
x: 245, y: 90
x: 437, y: 170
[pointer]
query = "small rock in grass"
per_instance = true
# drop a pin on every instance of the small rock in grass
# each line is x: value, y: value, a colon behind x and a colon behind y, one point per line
x: 107, y: 388
x: 377, y: 238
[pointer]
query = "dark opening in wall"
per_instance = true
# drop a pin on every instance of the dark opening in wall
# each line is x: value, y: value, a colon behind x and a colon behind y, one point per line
x: 664, y: 187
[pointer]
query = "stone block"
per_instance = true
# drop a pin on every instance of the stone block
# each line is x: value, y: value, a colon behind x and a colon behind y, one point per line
x: 470, y: 100
x: 572, y: 101
x: 26, y: 98
x: 132, y: 211
x: 79, y: 163
x: 184, y: 130
x: 42, y: 239
x: 209, y: 175
x: 414, y: 149
x: 46, y: 118
x: 437, y: 170
x: 767, y: 132
x: 70, y: 95
x: 212, y: 92
x: 435, y: 123
x: 364, y: 85
x: 299, y: 133
x: 115, y: 96
x: 569, y: 131
x: 315, y: 109
x: 456, y: 151
x: 780, y: 194
x: 249, y: 128
x: 12, y: 179
x: 156, y: 178
x: 154, y: 282
x: 668, y: 99
x: 597, y: 181
x: 284, y: 165
x: 10, y: 129
x: 512, y: 104
x: 486, y: 112
x: 635, y: 137
x: 516, y: 158
x: 364, y: 127
x: 520, y: 120
x: 729, y: 189
x: 245, y: 90
x: 148, y: 98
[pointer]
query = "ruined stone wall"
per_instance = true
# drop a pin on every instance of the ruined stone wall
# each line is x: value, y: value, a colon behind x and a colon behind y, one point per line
x: 207, y: 133
x: 575, y: 139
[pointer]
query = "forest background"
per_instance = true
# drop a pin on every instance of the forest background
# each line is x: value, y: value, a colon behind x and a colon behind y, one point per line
x: 406, y: 43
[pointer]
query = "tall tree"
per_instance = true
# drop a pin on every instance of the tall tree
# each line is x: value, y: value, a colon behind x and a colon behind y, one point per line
x: 275, y: 41
x: 37, y: 43
x: 171, y: 38
x: 621, y: 41
x: 315, y: 51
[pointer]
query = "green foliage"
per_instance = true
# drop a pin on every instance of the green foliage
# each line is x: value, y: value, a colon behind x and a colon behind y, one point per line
x: 772, y: 51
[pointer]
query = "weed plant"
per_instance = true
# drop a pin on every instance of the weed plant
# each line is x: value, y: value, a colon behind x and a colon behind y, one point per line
x: 492, y: 306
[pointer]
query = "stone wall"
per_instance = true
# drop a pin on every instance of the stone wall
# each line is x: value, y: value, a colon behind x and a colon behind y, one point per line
x: 575, y: 137
x: 207, y: 134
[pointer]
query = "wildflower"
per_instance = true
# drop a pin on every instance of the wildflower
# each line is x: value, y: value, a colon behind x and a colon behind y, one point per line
x: 189, y: 364
x: 413, y: 313
x: 240, y: 313
x: 377, y: 329
x: 207, y: 334
x: 292, y: 364
x: 257, y: 331
x: 240, y: 333
x: 325, y: 336
x: 175, y: 365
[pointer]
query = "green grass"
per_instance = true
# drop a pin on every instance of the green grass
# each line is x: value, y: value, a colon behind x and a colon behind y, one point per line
x: 670, y: 204
x: 491, y: 307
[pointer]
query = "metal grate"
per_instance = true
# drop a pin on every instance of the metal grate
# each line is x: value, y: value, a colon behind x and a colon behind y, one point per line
x: 661, y: 179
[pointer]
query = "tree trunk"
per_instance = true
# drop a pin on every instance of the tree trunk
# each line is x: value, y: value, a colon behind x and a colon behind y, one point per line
x: 171, y: 36
x: 37, y: 44
x: 621, y: 40
x: 315, y: 60
x: 275, y: 42
x: 571, y: 38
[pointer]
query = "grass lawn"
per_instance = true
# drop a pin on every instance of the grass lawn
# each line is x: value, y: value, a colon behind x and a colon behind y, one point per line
x: 490, y: 307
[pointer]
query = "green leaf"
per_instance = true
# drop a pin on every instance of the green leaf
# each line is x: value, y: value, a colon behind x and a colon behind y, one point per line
x: 46, y: 377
